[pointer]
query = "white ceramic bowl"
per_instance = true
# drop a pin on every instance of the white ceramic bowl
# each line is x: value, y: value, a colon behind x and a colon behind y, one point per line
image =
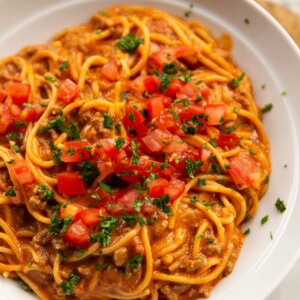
x: 268, y: 55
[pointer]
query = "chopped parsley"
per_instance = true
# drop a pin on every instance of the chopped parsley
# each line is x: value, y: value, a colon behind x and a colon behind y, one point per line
x: 132, y: 219
x: 252, y: 152
x: 131, y: 116
x: 280, y: 205
x: 106, y: 188
x: 20, y: 124
x: 56, y: 124
x: 107, y: 226
x: 185, y: 102
x: 264, y: 220
x: 118, y: 128
x: 64, y: 65
x: 263, y: 86
x: 123, y: 95
x: 11, y: 192
x: 56, y: 155
x: 135, y: 156
x: 192, y: 166
x: 88, y: 171
x: 247, y: 231
x: 213, y: 142
x: 201, y: 182
x: 247, y: 21
x: 16, y: 148
x: 12, y: 136
x: 162, y: 203
x: 134, y: 262
x: 129, y: 43
x: 59, y: 225
x: 46, y: 193
x: 194, y: 199
x: 107, y: 122
x: 267, y: 108
x: 68, y: 286
x: 189, y: 12
x: 163, y: 165
x: 170, y: 69
x: 80, y: 253
x: 235, y: 82
x: 73, y: 132
x: 231, y: 128
x: 50, y: 79
x: 119, y: 143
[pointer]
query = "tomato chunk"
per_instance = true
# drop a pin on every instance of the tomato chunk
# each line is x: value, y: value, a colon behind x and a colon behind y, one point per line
x: 169, y: 55
x: 18, y: 91
x: 6, y: 119
x: 77, y: 235
x: 157, y: 187
x: 70, y: 183
x: 3, y: 94
x: 74, y: 152
x: 155, y: 141
x: 68, y: 91
x: 124, y: 201
x: 228, y: 140
x: 89, y: 217
x: 175, y: 189
x: 155, y: 106
x: 27, y: 114
x: 144, y: 83
x: 134, y: 120
x: 215, y: 114
x: 110, y: 70
x: 175, y: 87
x: 245, y: 171
x: 22, y: 173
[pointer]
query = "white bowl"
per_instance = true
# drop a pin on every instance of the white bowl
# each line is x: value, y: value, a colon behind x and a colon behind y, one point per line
x: 268, y: 55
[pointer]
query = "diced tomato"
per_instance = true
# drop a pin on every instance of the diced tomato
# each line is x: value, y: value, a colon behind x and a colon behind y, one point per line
x: 15, y: 110
x: 155, y: 141
x: 145, y: 83
x: 155, y: 106
x: 190, y: 91
x: 215, y: 113
x: 27, y: 114
x: 175, y: 189
x: 134, y: 120
x: 109, y: 146
x: 70, y: 183
x: 68, y: 91
x: 245, y: 171
x: 176, y: 146
x: 110, y: 70
x: 205, y: 154
x: 22, y: 173
x: 3, y: 94
x: 103, y: 196
x: 105, y: 167
x: 189, y: 153
x: 165, y: 120
x: 89, y: 217
x: 124, y: 201
x: 157, y: 187
x: 169, y: 55
x: 186, y: 113
x: 70, y: 210
x: 18, y: 91
x: 228, y: 140
x: 77, y: 235
x: 74, y: 152
x: 175, y: 87
x: 6, y: 119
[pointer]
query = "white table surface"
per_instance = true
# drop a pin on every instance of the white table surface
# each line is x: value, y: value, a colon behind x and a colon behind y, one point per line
x: 289, y: 289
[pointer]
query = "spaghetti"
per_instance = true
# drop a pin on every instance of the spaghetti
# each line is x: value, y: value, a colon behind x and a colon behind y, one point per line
x: 131, y: 153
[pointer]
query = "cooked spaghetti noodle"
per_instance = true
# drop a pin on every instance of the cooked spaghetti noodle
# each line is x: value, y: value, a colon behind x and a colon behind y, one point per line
x: 131, y: 153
